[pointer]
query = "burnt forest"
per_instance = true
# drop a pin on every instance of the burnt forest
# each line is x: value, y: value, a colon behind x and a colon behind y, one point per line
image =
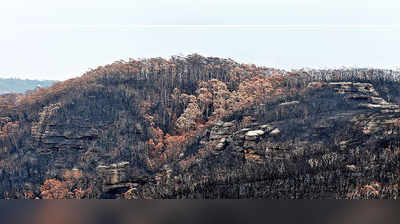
x: 195, y: 127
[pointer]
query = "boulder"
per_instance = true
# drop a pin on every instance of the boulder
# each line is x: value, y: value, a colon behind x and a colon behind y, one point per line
x: 378, y: 100
x: 315, y: 85
x: 352, y: 168
x: 221, y: 144
x: 291, y: 103
x: 276, y: 131
x: 378, y: 106
x: 253, y: 135
x: 114, y: 173
x: 267, y: 127
x: 228, y: 124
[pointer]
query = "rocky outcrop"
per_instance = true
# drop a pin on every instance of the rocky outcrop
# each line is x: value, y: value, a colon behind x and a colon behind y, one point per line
x: 221, y: 130
x: 56, y: 134
x: 354, y: 88
x: 39, y: 128
x: 114, y: 173
x: 120, y: 177
x: 291, y: 103
x: 364, y: 95
x: 244, y: 141
x: 219, y: 134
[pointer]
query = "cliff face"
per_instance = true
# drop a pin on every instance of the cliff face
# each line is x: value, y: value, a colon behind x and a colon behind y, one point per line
x: 200, y: 127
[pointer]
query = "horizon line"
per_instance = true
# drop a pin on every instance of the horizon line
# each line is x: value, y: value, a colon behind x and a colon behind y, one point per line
x: 298, y: 27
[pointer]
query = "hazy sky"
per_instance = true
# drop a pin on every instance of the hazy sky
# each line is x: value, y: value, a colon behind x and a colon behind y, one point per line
x: 51, y: 39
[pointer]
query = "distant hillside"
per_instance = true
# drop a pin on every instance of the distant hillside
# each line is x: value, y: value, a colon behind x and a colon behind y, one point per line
x: 12, y: 85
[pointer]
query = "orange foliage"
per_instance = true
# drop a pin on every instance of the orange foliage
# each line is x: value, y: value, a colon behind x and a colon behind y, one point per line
x: 187, y: 120
x: 157, y: 131
x: 55, y: 189
x: 67, y: 189
x: 72, y: 174
x: 29, y: 195
x: 371, y: 188
x: 172, y: 142
x: 145, y: 106
x: 150, y: 143
x: 316, y: 85
x: 160, y: 145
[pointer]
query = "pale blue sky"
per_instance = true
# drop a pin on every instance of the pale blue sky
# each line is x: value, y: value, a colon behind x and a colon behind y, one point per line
x: 58, y: 40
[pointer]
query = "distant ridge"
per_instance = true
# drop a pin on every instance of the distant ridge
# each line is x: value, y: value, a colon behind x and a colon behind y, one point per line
x: 14, y: 85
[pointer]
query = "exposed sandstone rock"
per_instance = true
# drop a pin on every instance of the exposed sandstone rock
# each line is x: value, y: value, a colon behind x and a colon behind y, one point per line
x: 38, y: 128
x: 114, y: 173
x: 350, y: 87
x: 276, y: 131
x: 221, y: 129
x: 267, y: 127
x: 352, y: 168
x: 379, y: 106
x: 291, y: 103
x: 315, y: 85
x: 254, y: 135
x: 228, y: 124
x: 221, y: 144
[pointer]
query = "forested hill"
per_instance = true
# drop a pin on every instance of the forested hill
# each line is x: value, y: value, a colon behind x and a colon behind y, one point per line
x: 14, y: 85
x: 204, y: 127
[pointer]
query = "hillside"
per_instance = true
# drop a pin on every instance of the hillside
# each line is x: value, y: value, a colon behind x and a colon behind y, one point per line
x: 12, y: 85
x: 204, y: 127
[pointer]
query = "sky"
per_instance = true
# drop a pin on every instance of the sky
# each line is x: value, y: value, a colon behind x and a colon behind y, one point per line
x: 57, y: 40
